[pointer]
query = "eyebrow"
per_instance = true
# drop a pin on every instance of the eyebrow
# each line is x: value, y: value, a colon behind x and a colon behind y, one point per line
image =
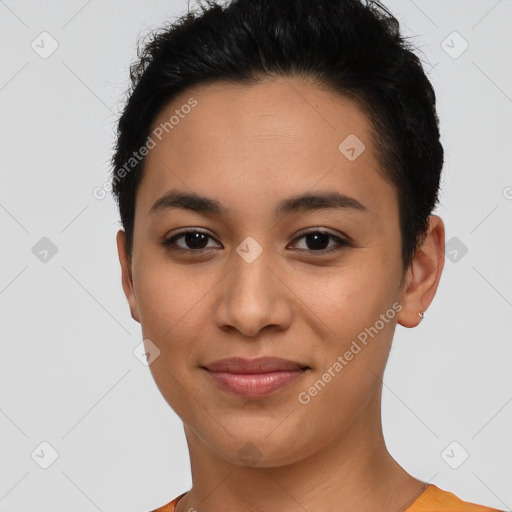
x: 301, y: 203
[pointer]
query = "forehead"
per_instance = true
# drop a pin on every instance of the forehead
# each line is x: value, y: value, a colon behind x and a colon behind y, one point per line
x: 276, y: 110
x: 279, y: 134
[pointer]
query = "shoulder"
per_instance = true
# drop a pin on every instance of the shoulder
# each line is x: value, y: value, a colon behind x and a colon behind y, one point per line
x: 171, y: 505
x: 434, y: 499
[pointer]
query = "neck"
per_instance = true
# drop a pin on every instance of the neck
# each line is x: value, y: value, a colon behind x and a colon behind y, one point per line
x: 354, y: 469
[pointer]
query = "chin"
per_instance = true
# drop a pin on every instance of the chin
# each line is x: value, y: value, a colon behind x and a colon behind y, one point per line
x: 257, y: 450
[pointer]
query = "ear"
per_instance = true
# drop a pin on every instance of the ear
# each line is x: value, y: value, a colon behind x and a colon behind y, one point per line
x: 127, y: 278
x: 423, y: 275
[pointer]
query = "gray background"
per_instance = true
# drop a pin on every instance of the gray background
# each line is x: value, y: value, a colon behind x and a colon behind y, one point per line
x: 68, y: 375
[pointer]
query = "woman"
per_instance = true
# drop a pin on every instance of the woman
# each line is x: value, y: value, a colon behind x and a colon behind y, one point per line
x: 276, y: 169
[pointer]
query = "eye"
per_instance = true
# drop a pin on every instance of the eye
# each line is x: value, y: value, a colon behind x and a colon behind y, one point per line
x: 316, y: 241
x: 196, y: 241
x: 194, y: 238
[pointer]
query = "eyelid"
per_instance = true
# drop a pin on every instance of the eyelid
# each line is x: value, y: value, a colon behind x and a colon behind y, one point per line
x: 167, y: 241
x: 342, y: 241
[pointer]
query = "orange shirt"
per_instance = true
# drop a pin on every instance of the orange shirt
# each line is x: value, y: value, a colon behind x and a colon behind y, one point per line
x: 432, y: 499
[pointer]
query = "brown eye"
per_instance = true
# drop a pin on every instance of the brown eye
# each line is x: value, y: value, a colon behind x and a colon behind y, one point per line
x: 194, y: 240
x: 318, y: 241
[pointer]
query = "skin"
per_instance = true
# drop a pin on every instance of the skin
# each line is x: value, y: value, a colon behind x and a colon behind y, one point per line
x: 250, y: 147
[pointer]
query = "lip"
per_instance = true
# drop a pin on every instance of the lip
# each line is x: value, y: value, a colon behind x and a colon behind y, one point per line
x: 240, y: 365
x: 255, y: 378
x: 255, y: 385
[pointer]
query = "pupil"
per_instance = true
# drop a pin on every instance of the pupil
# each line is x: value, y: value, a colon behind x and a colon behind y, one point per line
x: 192, y: 239
x: 316, y: 236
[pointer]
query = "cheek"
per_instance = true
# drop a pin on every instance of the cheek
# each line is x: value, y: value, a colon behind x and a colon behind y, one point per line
x: 349, y: 297
x: 354, y: 305
x: 166, y: 292
x: 171, y: 304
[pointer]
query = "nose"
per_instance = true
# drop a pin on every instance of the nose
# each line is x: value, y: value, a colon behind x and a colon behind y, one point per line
x: 252, y: 297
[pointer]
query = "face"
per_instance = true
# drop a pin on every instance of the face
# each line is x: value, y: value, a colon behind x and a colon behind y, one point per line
x: 265, y: 273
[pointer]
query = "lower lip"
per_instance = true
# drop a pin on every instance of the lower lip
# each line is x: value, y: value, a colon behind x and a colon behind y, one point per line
x: 255, y: 385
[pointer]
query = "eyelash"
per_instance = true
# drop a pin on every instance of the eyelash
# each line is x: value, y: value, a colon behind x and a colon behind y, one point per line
x: 342, y: 243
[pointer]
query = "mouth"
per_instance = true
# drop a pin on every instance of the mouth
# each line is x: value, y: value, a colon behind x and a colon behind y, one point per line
x: 255, y: 378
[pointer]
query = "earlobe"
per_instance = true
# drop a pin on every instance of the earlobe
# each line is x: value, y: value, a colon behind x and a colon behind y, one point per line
x: 423, y: 275
x: 126, y: 275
